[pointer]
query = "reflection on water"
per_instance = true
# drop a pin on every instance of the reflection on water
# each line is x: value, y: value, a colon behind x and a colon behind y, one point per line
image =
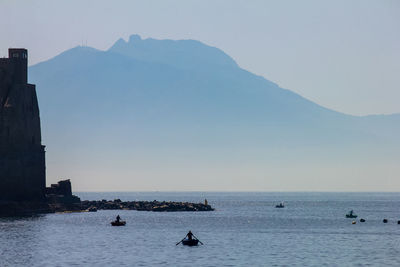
x: 245, y: 230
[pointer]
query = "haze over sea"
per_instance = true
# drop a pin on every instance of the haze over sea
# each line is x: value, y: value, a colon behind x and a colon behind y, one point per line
x: 245, y: 230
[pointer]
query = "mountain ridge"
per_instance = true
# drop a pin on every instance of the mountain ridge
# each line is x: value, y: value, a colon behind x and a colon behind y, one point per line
x: 133, y: 39
x: 179, y: 53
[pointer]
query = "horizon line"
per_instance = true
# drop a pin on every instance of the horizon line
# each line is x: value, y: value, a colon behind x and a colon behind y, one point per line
x: 216, y: 191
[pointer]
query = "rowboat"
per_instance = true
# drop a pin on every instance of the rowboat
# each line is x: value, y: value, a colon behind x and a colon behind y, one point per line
x: 116, y: 223
x: 193, y: 242
x: 351, y: 215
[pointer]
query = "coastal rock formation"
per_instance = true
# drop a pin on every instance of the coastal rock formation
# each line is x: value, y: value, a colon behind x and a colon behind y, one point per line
x: 155, y: 205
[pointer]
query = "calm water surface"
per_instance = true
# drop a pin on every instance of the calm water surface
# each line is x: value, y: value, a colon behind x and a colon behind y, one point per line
x: 245, y: 230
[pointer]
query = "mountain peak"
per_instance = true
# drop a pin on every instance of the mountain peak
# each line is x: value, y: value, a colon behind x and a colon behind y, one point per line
x: 182, y: 54
x: 134, y: 38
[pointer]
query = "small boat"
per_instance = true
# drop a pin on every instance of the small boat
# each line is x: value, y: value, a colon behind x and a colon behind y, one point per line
x: 118, y: 223
x: 190, y: 240
x: 280, y: 205
x: 193, y: 242
x: 351, y: 215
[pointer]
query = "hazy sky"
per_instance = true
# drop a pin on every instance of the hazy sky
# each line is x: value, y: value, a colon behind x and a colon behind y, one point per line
x: 344, y: 55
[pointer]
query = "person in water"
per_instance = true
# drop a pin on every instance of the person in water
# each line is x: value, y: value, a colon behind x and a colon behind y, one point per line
x: 190, y: 235
x: 118, y: 218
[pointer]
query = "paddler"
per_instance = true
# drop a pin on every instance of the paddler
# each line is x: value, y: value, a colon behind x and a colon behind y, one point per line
x: 190, y: 235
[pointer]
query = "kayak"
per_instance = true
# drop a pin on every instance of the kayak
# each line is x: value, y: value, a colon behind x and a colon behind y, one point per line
x: 192, y: 242
x: 120, y: 223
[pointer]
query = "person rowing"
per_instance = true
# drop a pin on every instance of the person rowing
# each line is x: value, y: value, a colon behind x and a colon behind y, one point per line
x: 189, y: 235
x: 118, y: 222
x: 190, y: 239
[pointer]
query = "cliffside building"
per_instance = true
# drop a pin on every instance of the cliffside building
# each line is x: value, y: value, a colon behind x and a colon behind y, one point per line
x: 22, y: 156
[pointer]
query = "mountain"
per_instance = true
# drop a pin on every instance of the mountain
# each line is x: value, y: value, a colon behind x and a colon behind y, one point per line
x: 183, y: 54
x: 164, y: 114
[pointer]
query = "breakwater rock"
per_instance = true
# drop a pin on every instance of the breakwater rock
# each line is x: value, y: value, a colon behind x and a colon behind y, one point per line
x: 67, y: 204
x: 170, y: 206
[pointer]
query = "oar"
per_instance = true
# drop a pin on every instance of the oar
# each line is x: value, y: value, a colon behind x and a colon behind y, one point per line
x: 180, y: 241
x: 198, y: 239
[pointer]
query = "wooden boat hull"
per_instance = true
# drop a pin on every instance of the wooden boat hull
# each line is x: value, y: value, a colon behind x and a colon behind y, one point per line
x: 191, y: 243
x: 120, y: 223
x: 351, y: 216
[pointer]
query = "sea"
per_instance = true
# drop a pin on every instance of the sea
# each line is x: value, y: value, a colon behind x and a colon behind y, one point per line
x: 244, y: 230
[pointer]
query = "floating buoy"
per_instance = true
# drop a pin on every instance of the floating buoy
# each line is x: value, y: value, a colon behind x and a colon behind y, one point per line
x: 353, y: 222
x: 362, y: 220
x: 398, y: 222
x: 385, y: 220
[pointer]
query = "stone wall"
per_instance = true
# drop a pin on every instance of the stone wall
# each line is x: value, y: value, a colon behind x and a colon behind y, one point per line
x: 63, y: 188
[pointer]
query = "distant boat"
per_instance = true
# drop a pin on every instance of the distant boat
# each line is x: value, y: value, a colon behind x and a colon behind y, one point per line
x: 280, y: 205
x: 118, y: 223
x: 190, y: 240
x: 351, y: 215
